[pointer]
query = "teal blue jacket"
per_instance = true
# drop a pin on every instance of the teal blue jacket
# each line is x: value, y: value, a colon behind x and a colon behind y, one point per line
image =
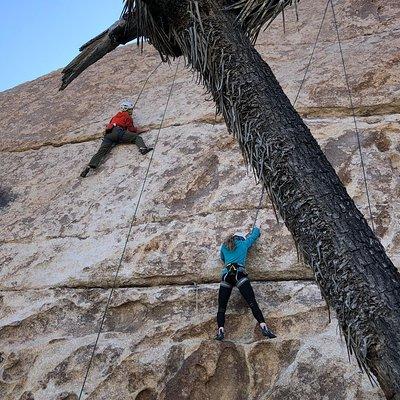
x: 239, y: 255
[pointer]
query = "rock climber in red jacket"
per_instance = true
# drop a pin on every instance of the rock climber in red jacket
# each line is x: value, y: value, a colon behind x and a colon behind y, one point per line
x: 119, y: 130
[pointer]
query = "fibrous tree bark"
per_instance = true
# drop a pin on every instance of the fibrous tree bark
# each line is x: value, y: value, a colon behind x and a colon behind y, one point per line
x: 350, y: 265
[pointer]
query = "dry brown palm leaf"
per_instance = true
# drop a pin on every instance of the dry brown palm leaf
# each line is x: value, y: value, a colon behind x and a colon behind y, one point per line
x: 256, y: 14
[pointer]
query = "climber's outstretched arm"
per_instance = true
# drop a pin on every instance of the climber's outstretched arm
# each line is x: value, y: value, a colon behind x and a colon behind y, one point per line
x: 121, y: 32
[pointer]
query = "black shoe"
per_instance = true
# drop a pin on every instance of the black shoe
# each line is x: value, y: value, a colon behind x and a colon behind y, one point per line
x: 220, y: 335
x: 145, y: 150
x: 85, y: 172
x: 268, y: 333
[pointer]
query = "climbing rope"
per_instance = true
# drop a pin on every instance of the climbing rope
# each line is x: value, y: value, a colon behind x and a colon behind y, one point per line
x: 349, y: 94
x: 130, y: 226
x: 295, y: 101
x: 312, y: 53
x: 196, y: 288
x: 294, y: 104
x: 351, y: 105
x: 354, y: 116
x: 145, y: 83
x: 259, y: 206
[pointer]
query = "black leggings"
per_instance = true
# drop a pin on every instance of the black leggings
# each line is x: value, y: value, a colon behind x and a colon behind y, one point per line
x: 243, y: 284
x: 117, y: 135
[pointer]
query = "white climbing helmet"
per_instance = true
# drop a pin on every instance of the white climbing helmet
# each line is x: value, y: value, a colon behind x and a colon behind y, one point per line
x: 126, y: 105
x: 240, y: 234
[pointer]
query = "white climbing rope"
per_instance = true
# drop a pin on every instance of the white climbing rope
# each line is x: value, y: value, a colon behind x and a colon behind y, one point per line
x: 130, y: 228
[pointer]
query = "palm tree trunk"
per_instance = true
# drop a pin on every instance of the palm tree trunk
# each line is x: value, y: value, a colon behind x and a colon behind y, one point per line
x: 350, y: 265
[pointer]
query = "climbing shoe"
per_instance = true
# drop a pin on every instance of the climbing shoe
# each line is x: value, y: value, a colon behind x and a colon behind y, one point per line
x: 220, y: 335
x: 85, y: 172
x: 145, y: 150
x: 267, y: 332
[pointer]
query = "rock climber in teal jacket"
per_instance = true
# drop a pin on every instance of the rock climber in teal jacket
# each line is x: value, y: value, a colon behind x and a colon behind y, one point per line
x: 242, y: 246
x: 233, y: 254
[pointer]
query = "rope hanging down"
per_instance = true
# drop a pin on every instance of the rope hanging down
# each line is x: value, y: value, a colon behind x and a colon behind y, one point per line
x: 145, y: 83
x: 294, y: 103
x: 351, y: 105
x: 354, y: 116
x: 312, y: 53
x: 259, y: 206
x: 130, y: 226
x: 350, y: 99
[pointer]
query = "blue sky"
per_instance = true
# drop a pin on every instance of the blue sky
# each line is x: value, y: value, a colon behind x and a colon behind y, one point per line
x: 40, y: 36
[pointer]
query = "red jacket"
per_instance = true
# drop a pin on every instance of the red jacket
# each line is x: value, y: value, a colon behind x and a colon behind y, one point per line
x: 123, y: 120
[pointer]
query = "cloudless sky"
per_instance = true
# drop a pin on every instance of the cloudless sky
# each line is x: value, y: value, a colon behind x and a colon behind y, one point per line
x: 40, y: 36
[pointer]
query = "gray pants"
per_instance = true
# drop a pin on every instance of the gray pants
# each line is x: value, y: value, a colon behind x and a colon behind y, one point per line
x: 116, y: 136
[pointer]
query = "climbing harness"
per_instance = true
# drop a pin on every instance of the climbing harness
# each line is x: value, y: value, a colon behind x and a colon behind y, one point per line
x: 232, y: 269
x: 130, y: 225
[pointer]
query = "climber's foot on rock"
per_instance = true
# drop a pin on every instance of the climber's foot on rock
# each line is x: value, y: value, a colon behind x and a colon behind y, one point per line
x: 220, y: 334
x: 267, y: 332
x: 145, y: 150
x: 85, y: 172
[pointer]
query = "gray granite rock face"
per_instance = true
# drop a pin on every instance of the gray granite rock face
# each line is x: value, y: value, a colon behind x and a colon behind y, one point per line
x: 62, y: 237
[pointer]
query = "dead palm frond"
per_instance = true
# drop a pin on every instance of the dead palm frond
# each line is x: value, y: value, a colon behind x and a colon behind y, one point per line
x: 129, y: 6
x: 140, y: 19
x: 253, y: 15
